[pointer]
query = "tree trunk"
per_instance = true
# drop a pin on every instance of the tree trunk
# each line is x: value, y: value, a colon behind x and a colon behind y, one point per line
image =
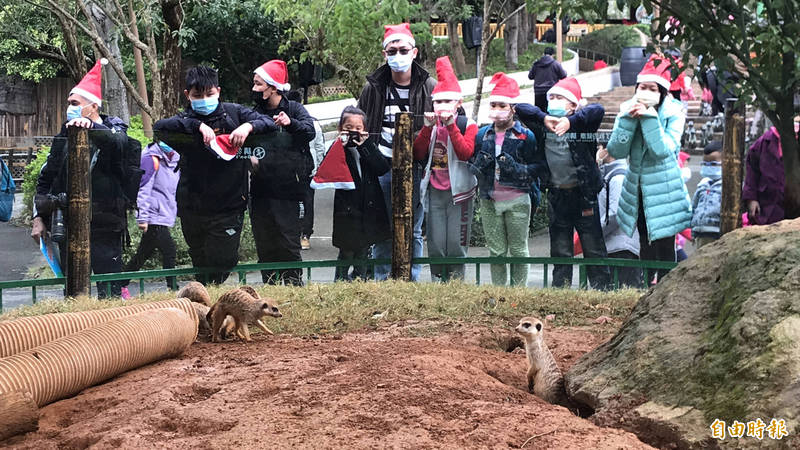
x: 524, y: 32
x: 18, y: 414
x: 486, y: 39
x: 115, y: 97
x: 791, y: 160
x: 77, y: 62
x: 511, y: 38
x: 171, y: 86
x: 532, y: 24
x: 455, y: 48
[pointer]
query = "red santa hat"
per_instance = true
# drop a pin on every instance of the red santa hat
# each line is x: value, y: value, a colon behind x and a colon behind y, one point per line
x: 447, y: 87
x: 274, y: 73
x: 505, y: 90
x: 333, y: 172
x: 568, y: 88
x: 656, y: 73
x: 399, y: 32
x: 223, y: 148
x: 90, y: 86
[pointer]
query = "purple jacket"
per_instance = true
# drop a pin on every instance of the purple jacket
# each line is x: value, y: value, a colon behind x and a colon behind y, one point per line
x: 764, y: 178
x: 156, y: 199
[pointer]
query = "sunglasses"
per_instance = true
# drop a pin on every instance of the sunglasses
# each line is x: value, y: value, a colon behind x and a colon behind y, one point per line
x: 402, y: 51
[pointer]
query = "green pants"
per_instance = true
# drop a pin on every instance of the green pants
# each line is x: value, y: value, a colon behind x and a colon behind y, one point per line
x: 505, y: 225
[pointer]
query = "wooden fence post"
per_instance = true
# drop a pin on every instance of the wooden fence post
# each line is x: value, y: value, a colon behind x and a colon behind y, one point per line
x: 402, y: 179
x: 79, y: 217
x: 732, y: 168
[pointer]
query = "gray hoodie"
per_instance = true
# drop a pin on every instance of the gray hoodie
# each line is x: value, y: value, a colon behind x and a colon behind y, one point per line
x: 608, y: 200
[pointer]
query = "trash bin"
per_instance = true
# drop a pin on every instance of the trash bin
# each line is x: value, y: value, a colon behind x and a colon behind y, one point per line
x: 631, y: 63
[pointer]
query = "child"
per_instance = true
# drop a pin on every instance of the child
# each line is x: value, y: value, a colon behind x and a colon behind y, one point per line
x: 708, y: 196
x: 352, y: 166
x: 573, y: 177
x: 212, y: 191
x: 446, y: 141
x: 504, y: 165
x: 156, y: 209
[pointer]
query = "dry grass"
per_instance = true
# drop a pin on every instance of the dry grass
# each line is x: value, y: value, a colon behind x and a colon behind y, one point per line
x: 340, y: 307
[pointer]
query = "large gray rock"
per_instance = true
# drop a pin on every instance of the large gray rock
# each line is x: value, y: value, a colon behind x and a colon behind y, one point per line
x: 719, y: 337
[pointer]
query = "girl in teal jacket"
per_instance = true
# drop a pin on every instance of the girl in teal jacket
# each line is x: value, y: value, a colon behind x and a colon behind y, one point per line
x: 654, y: 197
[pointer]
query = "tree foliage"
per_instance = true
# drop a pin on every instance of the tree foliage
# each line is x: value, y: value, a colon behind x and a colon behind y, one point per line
x: 343, y: 34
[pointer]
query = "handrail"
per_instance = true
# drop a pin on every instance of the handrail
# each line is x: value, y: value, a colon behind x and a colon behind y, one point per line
x: 242, y: 269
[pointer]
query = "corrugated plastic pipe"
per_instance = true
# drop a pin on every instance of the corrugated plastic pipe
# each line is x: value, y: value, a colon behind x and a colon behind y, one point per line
x: 66, y: 366
x: 26, y: 333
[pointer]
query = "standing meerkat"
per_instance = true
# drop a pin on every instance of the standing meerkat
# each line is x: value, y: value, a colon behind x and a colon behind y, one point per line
x: 244, y: 309
x: 544, y: 379
x: 196, y: 292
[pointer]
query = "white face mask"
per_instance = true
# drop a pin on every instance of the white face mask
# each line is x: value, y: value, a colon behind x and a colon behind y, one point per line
x: 500, y: 116
x: 439, y: 108
x: 647, y: 98
x: 400, y: 63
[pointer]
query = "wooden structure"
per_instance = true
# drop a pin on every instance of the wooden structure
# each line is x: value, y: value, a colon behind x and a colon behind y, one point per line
x: 732, y: 167
x: 402, y: 180
x: 78, y: 266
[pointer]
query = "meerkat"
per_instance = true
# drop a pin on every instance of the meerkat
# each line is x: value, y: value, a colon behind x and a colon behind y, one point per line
x: 244, y: 310
x: 544, y: 378
x: 196, y: 292
x: 202, y: 322
x: 229, y: 326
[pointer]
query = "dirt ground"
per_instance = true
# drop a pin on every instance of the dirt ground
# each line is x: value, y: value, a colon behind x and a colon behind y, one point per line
x: 402, y: 386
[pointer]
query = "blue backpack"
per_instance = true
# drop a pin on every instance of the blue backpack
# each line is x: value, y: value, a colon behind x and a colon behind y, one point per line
x: 7, y: 189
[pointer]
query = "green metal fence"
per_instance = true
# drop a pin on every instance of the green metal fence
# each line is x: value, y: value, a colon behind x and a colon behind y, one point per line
x: 243, y: 269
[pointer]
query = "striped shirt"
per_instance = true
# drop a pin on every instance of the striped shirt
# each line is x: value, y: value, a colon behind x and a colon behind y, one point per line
x: 393, y: 106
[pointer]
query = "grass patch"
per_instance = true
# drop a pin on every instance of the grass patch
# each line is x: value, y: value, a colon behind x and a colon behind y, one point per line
x: 342, y: 307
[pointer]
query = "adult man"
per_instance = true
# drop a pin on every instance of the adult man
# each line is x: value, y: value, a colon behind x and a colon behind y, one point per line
x: 399, y: 85
x: 281, y: 180
x: 545, y: 73
x: 212, y: 192
x: 107, y: 141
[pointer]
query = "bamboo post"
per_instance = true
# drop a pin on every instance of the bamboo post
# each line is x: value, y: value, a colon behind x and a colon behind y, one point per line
x: 402, y: 157
x: 732, y: 157
x: 18, y: 414
x: 79, y: 216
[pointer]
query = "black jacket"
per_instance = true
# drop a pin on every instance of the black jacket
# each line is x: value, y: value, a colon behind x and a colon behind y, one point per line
x: 209, y: 184
x: 285, y: 171
x: 582, y: 145
x: 545, y: 72
x: 359, y: 216
x: 106, y: 146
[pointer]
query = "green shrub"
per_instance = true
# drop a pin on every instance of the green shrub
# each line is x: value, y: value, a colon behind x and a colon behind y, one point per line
x: 29, y: 185
x: 136, y: 130
x: 610, y: 40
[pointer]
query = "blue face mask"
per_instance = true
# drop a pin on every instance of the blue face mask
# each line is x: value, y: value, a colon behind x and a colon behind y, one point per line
x: 712, y: 170
x: 400, y: 63
x: 557, y: 107
x: 74, y: 112
x: 205, y: 106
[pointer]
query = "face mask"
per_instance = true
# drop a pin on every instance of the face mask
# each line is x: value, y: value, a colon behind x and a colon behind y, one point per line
x: 74, y: 112
x: 557, y: 107
x: 400, y: 63
x: 205, y: 106
x: 257, y: 97
x: 711, y: 170
x: 499, y: 116
x: 444, y: 108
x: 647, y: 98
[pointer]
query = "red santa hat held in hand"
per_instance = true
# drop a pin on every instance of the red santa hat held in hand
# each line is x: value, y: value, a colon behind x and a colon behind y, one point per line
x: 399, y: 32
x: 656, y: 73
x: 568, y: 88
x: 90, y: 86
x: 222, y: 147
x: 447, y: 87
x: 505, y: 90
x: 333, y: 172
x: 274, y: 73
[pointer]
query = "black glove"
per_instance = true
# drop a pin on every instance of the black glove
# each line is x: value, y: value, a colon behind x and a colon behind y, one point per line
x: 510, y: 169
x: 481, y: 163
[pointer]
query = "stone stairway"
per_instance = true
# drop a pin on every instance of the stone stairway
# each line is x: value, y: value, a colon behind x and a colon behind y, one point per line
x: 612, y: 99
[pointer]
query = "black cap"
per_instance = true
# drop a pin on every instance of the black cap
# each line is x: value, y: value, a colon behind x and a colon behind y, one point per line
x: 713, y: 146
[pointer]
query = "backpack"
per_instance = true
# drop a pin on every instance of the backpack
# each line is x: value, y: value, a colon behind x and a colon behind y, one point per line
x: 7, y: 189
x: 132, y: 172
x: 608, y: 177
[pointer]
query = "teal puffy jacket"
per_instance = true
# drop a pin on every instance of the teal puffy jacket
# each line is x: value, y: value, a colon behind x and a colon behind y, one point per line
x: 651, y: 144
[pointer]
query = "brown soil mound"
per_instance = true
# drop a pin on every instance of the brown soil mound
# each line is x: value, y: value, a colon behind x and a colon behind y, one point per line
x: 461, y: 389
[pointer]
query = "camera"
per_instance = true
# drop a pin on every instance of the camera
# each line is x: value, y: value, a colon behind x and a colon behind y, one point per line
x: 58, y: 228
x: 353, y: 138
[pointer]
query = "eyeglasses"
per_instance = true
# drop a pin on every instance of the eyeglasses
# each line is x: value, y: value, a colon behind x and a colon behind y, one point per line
x: 402, y: 51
